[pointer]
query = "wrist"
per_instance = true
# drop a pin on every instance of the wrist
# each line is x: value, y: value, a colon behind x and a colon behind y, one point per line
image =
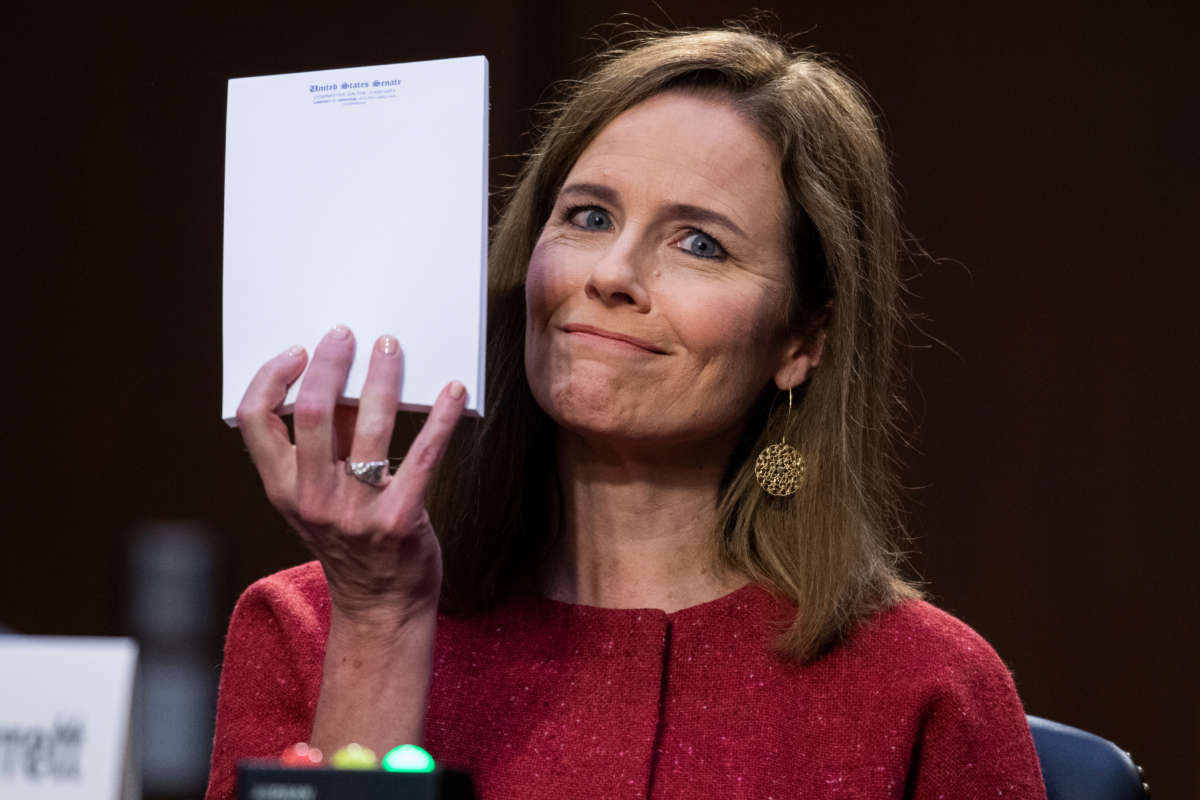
x: 382, y: 627
x: 375, y: 680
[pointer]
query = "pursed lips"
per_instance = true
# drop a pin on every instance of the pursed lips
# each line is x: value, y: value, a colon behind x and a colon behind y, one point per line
x: 632, y: 341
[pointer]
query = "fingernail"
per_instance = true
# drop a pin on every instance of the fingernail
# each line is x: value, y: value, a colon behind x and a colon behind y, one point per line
x: 388, y: 345
x: 457, y: 390
x: 340, y: 332
x: 293, y: 351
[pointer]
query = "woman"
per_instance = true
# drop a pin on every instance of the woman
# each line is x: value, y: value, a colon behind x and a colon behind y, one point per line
x: 698, y: 262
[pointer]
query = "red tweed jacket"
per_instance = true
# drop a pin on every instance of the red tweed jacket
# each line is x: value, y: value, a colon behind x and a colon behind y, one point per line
x: 541, y: 699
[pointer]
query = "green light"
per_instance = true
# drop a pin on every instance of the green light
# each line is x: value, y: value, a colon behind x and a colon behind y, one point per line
x: 408, y: 758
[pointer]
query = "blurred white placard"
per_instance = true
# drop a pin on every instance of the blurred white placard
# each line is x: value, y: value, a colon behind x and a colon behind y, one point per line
x: 359, y: 197
x: 65, y: 708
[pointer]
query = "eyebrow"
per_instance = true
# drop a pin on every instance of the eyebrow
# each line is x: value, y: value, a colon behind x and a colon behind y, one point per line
x: 596, y: 190
x: 688, y: 211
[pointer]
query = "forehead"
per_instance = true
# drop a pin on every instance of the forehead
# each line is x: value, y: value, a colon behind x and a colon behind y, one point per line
x: 697, y: 148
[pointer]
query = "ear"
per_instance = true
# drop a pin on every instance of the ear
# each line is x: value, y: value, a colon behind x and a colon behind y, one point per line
x: 800, y: 356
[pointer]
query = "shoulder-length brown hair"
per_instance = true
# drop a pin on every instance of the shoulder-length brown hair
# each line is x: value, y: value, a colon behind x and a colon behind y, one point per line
x: 830, y: 548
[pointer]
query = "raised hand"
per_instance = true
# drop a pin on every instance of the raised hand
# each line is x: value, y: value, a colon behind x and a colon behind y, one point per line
x: 375, y: 542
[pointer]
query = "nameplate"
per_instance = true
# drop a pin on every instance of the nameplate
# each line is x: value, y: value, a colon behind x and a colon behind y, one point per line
x: 65, y: 708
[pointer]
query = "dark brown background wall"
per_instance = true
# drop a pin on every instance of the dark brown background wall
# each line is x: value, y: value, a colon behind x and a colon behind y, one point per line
x: 1047, y: 157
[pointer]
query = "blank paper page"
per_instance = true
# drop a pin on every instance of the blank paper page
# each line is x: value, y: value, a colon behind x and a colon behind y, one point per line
x: 359, y: 196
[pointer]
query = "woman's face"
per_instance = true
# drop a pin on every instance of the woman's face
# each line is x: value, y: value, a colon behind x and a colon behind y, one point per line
x: 657, y: 291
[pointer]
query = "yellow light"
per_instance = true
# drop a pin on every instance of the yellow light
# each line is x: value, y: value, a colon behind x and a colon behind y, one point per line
x: 353, y: 756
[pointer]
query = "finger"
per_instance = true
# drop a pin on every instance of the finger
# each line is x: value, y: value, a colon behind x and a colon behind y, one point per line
x: 323, y: 384
x: 430, y: 445
x: 378, y: 403
x: 262, y: 430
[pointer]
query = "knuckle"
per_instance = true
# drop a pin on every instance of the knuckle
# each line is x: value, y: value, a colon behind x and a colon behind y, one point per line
x: 279, y: 498
x: 409, y: 519
x: 249, y: 412
x: 274, y: 494
x: 309, y: 413
x: 354, y: 524
x: 426, y: 456
x: 313, y: 510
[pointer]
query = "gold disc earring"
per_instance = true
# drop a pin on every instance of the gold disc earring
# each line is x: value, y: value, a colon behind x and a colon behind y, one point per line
x: 780, y: 468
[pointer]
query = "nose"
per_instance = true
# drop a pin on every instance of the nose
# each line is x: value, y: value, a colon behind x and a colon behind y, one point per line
x: 616, y: 278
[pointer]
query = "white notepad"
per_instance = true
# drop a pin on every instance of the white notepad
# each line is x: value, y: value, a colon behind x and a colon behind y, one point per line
x: 359, y: 197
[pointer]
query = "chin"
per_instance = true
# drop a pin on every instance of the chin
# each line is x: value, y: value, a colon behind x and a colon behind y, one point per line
x: 589, y: 404
x: 583, y: 406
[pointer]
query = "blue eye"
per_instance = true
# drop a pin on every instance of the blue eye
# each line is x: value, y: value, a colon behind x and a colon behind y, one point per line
x: 702, y: 245
x: 590, y: 218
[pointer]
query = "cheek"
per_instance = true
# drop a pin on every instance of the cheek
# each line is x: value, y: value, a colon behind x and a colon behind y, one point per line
x: 547, y: 284
x: 546, y: 288
x: 730, y: 325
